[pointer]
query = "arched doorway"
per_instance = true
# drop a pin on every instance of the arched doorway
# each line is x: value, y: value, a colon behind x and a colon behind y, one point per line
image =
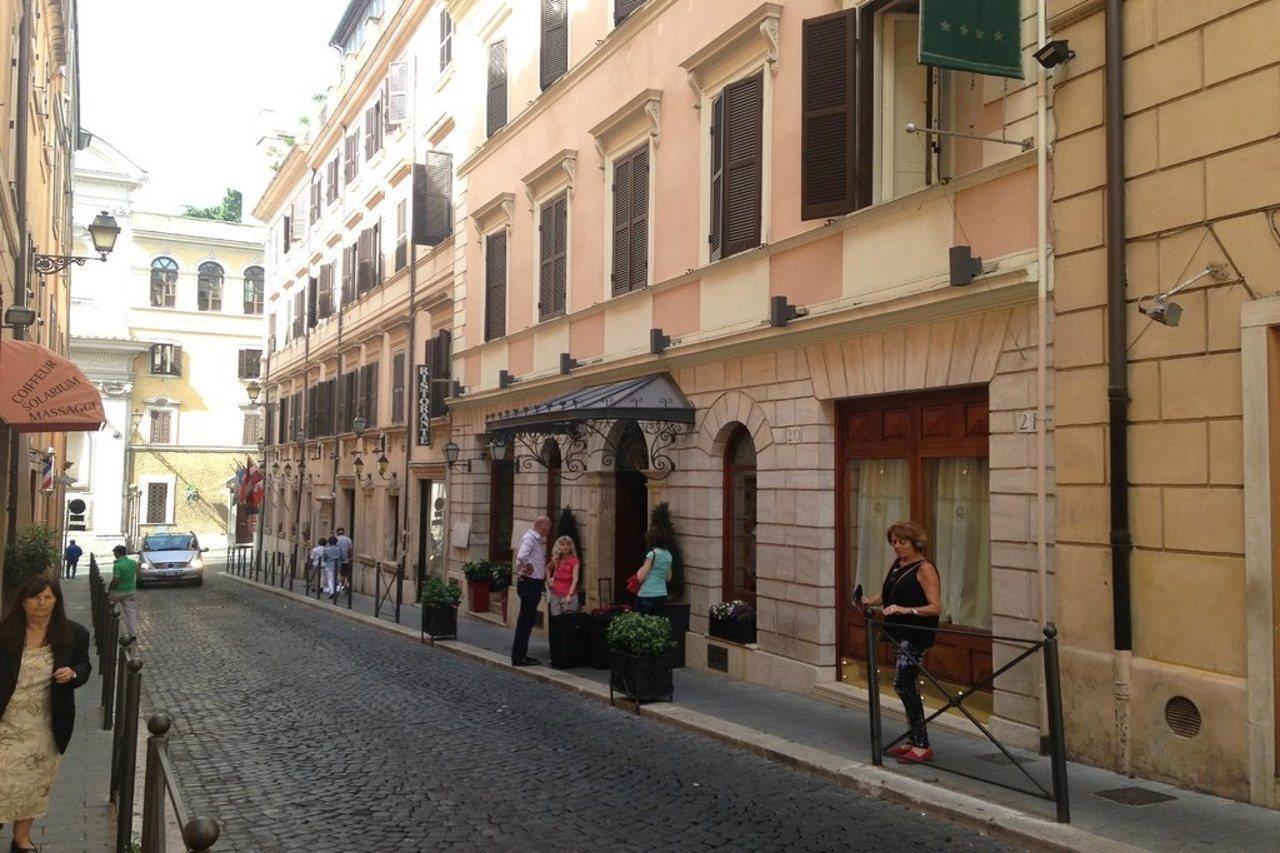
x: 631, y: 506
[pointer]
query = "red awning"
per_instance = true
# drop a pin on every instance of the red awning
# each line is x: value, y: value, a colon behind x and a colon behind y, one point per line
x: 41, y: 391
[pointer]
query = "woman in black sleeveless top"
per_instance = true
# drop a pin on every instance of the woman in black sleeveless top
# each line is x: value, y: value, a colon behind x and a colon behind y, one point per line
x: 911, y: 596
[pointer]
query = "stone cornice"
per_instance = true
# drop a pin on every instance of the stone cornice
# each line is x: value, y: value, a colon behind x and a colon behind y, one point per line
x: 648, y: 104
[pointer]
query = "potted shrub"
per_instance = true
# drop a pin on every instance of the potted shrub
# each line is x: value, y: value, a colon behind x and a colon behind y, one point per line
x: 734, y: 621
x: 479, y: 579
x: 440, y: 608
x: 640, y: 657
x: 499, y: 576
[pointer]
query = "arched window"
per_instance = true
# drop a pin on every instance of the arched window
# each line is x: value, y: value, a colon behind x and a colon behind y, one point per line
x: 164, y: 282
x: 253, y: 290
x: 209, y: 287
x: 740, y: 517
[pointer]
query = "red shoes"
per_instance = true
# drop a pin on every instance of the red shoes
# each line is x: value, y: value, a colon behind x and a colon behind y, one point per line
x: 900, y: 749
x: 910, y: 756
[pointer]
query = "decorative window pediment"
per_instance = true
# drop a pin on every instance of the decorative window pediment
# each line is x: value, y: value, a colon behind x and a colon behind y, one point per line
x: 496, y: 211
x: 754, y: 36
x: 642, y: 112
x: 555, y: 174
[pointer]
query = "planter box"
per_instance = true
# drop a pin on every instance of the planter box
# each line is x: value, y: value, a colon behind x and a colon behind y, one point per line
x: 734, y: 630
x: 678, y: 615
x: 478, y: 596
x: 440, y: 623
x: 643, y: 678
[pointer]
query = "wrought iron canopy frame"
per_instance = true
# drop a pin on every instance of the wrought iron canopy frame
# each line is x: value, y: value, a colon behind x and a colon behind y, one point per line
x: 528, y: 444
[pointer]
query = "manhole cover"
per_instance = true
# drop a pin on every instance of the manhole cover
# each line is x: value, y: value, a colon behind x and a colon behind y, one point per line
x: 1133, y: 796
x: 1001, y: 760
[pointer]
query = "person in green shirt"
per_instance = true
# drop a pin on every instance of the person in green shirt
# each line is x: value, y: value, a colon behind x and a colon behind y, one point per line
x: 124, y: 588
x: 654, y: 574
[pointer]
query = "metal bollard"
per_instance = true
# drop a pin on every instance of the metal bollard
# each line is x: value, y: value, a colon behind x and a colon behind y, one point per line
x: 200, y: 834
x: 128, y: 757
x: 110, y: 652
x: 873, y: 690
x: 121, y: 706
x: 153, y: 785
x: 1057, y: 736
x: 399, y: 590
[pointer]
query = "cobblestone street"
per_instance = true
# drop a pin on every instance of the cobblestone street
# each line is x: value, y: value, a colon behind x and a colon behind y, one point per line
x: 300, y: 731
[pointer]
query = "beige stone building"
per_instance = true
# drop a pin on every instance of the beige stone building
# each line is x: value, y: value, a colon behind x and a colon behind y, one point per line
x: 1170, y: 655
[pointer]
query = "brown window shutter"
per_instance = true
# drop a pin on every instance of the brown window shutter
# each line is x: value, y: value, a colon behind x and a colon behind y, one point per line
x: 371, y: 396
x: 438, y: 360
x: 313, y: 301
x: 623, y: 8
x: 640, y: 218
x: 554, y: 57
x: 370, y: 120
x: 495, y: 276
x: 348, y: 274
x: 716, y: 237
x: 433, y: 199
x: 561, y: 249
x: 546, y: 260
x: 829, y: 96
x: 375, y: 253
x: 331, y: 184
x: 622, y: 226
x: 496, y: 104
x: 743, y: 145
x: 397, y: 388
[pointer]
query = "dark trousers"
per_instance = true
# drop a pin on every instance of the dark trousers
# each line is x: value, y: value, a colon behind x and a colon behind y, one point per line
x: 650, y: 605
x: 71, y: 568
x: 530, y: 592
x: 906, y: 668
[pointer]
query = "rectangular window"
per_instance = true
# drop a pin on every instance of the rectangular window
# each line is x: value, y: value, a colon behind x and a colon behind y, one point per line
x: 286, y: 230
x: 829, y: 94
x: 157, y: 503
x: 250, y: 363
x: 396, y: 94
x: 631, y: 221
x: 554, y: 57
x: 446, y: 40
x: 373, y: 130
x: 495, y: 285
x: 397, y: 388
x: 166, y: 360
x: 438, y: 362
x: 299, y: 314
x: 331, y: 181
x: 367, y: 403
x: 253, y: 289
x: 271, y: 331
x: 402, y: 234
x: 161, y: 426
x: 351, y: 160
x: 433, y: 199
x: 252, y: 432
x: 324, y: 299
x: 496, y: 101
x: 736, y: 156
x: 317, y: 193
x: 349, y: 257
x: 345, y: 402
x: 552, y: 257
x: 298, y: 220
x: 502, y: 495
x: 369, y: 260
x: 313, y: 296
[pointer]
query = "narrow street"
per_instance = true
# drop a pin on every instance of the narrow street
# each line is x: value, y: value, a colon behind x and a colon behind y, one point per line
x: 299, y: 730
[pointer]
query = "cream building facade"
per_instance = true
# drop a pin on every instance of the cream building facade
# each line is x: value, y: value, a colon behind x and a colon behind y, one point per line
x: 1168, y: 607
x: 170, y: 328
x: 360, y: 268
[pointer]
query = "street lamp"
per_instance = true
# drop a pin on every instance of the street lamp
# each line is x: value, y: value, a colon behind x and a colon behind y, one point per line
x: 499, y: 448
x: 359, y: 424
x: 254, y: 390
x: 451, y: 451
x: 19, y: 317
x: 103, y: 231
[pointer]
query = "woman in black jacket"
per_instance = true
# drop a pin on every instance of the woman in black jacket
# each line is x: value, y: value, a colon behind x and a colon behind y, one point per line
x: 44, y: 657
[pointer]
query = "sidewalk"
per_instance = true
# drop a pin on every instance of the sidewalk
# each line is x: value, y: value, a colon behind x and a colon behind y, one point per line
x: 80, y: 816
x: 832, y: 742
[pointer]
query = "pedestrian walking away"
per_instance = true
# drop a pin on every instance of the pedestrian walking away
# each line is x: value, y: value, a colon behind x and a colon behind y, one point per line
x: 912, y: 601
x: 124, y: 587
x: 315, y: 559
x: 562, y: 574
x: 332, y: 561
x: 72, y: 558
x: 44, y: 657
x: 654, y: 574
x: 531, y: 571
x: 343, y: 541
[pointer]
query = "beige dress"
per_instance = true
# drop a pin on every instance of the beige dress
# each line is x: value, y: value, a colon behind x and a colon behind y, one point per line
x: 29, y: 756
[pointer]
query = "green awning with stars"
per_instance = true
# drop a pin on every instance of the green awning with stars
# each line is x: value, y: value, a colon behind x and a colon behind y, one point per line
x: 982, y: 36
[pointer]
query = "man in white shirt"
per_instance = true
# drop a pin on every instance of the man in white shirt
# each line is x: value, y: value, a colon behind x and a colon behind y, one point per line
x: 531, y: 573
x: 344, y: 571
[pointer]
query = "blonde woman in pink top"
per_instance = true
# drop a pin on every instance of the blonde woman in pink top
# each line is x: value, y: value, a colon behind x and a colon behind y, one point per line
x: 562, y: 577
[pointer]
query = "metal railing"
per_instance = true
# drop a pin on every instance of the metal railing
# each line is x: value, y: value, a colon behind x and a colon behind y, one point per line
x: 121, y: 668
x: 240, y: 559
x: 1056, y: 792
x: 382, y: 596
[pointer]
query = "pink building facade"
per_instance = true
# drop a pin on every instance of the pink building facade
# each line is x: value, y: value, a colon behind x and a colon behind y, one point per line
x: 722, y: 202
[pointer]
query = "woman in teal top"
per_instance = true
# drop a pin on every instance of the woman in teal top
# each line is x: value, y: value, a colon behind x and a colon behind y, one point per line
x: 654, y: 574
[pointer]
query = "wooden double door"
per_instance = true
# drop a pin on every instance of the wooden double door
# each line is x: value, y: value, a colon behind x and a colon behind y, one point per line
x: 921, y: 457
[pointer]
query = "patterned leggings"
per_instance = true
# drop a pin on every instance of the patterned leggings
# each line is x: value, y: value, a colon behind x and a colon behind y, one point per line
x: 906, y: 667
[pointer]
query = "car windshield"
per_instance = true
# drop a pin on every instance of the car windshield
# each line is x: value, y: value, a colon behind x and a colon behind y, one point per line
x: 169, y: 542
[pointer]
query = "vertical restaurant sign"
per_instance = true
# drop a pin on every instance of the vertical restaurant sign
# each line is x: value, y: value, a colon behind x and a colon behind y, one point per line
x: 424, y: 405
x: 984, y: 37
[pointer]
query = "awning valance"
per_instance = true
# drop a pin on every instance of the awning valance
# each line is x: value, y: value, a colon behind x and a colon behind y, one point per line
x: 41, y: 391
x: 654, y: 397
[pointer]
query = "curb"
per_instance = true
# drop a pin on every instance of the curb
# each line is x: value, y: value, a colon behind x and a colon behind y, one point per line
x: 995, y: 820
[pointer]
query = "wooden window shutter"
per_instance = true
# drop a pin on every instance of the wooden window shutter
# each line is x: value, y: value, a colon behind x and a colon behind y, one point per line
x: 433, y: 199
x: 313, y: 298
x: 331, y: 184
x: 546, y: 260
x: 829, y: 97
x: 743, y: 145
x: 554, y: 57
x: 716, y: 237
x: 640, y: 218
x: 623, y: 8
x: 370, y: 121
x: 299, y: 219
x: 375, y: 250
x: 371, y: 395
x: 397, y: 388
x: 397, y: 100
x: 561, y: 248
x: 621, y: 278
x: 324, y: 295
x: 348, y: 274
x: 364, y: 258
x: 316, y: 196
x: 496, y: 102
x: 438, y: 360
x: 495, y: 279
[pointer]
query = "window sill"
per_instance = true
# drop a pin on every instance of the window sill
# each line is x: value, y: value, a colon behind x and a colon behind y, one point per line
x: 446, y: 74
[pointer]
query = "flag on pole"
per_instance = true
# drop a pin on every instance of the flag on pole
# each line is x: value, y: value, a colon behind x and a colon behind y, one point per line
x: 982, y: 36
x: 253, y: 487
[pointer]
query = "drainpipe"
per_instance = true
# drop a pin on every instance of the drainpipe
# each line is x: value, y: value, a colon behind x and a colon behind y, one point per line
x: 1042, y: 379
x: 410, y: 441
x: 1118, y: 376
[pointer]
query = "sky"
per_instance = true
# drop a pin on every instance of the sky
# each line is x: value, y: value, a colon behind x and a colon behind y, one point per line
x: 186, y: 88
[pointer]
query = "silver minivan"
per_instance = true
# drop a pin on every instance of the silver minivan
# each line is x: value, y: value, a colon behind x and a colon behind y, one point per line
x: 168, y: 557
